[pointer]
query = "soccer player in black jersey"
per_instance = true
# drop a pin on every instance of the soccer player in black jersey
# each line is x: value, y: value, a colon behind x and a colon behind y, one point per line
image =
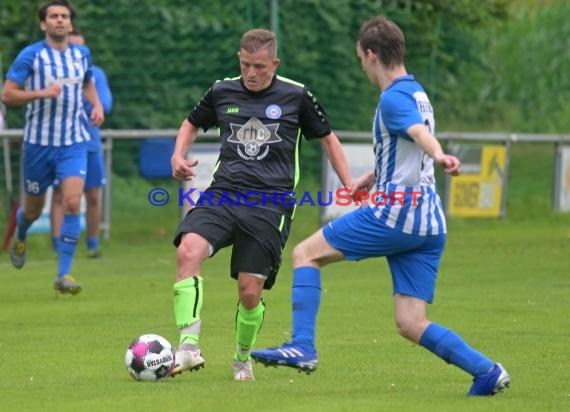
x: 262, y: 118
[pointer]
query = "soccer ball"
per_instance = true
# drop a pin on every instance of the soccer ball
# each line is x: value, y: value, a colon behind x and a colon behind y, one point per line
x: 149, y: 358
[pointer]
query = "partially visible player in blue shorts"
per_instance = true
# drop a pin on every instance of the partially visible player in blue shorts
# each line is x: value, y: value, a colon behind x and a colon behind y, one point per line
x: 405, y: 222
x: 51, y: 77
x: 95, y: 178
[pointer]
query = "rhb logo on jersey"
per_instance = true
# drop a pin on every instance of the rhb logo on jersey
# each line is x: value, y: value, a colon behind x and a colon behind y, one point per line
x: 252, y: 136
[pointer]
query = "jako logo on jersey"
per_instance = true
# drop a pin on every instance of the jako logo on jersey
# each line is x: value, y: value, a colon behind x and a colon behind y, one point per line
x: 273, y: 111
x: 253, y: 136
x: 233, y: 110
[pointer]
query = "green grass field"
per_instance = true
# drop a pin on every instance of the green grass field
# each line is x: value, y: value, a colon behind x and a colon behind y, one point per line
x: 504, y: 286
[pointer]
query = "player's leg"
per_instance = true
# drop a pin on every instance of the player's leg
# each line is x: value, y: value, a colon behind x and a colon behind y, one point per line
x: 33, y: 205
x: 348, y: 237
x: 256, y: 257
x: 71, y: 190
x: 188, y: 298
x: 250, y: 312
x: 201, y: 233
x: 354, y: 236
x: 93, y: 220
x: 32, y: 209
x: 38, y: 175
x: 308, y: 257
x: 94, y: 181
x: 56, y: 215
x: 70, y: 165
x: 414, y: 276
x: 249, y: 318
x: 331, y: 244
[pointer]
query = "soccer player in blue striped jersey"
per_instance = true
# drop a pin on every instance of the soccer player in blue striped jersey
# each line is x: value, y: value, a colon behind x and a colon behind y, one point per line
x: 406, y: 225
x: 51, y: 77
x: 95, y: 177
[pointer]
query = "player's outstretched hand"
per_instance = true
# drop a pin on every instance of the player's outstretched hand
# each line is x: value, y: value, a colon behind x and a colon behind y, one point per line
x: 450, y: 164
x: 183, y: 169
x: 360, y: 187
x: 97, y: 115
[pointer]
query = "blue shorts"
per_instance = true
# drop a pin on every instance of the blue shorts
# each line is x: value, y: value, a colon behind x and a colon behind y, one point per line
x: 95, y: 169
x: 95, y: 176
x: 414, y: 260
x: 44, y: 164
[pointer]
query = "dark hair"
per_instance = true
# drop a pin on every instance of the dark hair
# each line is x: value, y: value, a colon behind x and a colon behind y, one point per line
x: 42, y: 13
x: 258, y: 39
x: 75, y: 32
x: 385, y: 39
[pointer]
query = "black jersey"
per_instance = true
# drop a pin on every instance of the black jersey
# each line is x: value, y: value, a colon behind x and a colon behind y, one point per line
x: 260, y: 132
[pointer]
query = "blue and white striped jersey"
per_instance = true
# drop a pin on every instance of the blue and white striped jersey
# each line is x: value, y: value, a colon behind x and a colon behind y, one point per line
x: 404, y: 172
x: 57, y: 121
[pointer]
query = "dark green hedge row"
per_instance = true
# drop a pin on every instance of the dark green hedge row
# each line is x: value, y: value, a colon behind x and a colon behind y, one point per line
x: 486, y: 64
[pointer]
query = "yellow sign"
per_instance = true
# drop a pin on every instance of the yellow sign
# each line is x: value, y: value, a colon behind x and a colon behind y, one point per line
x: 480, y: 194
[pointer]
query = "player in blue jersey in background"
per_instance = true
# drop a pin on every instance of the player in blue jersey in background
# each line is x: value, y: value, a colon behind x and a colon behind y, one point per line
x: 95, y: 178
x: 410, y: 233
x: 51, y: 77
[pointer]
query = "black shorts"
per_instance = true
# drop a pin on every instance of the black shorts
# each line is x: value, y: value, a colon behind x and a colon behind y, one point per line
x: 258, y: 235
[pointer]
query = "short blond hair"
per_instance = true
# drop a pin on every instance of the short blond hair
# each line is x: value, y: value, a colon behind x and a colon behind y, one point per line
x: 258, y: 39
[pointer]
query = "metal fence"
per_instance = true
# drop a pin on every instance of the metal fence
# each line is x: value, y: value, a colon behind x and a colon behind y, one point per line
x: 11, y: 137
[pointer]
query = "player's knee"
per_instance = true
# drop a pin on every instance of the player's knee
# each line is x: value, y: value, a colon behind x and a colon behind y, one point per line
x: 407, y: 327
x: 184, y: 253
x: 250, y: 289
x: 249, y: 298
x: 72, y: 205
x: 187, y: 253
x: 33, y: 213
x: 301, y: 255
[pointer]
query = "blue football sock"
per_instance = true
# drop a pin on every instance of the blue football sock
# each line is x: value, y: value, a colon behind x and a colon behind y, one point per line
x: 68, y: 242
x: 451, y: 348
x: 23, y: 224
x: 93, y: 243
x: 54, y: 243
x: 306, y: 297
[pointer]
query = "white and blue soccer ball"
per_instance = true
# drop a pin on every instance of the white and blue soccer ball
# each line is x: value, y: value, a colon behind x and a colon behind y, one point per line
x: 149, y: 358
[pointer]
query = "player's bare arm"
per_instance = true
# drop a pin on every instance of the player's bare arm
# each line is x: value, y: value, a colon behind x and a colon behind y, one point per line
x: 431, y: 146
x: 333, y: 148
x: 97, y: 113
x: 13, y: 95
x: 183, y: 169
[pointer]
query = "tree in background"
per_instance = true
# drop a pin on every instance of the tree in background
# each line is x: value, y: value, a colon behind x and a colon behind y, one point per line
x: 530, y: 58
x: 488, y: 64
x: 160, y: 54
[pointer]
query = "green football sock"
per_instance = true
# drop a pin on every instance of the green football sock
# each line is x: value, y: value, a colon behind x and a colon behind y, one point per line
x: 188, y: 298
x: 248, y: 323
